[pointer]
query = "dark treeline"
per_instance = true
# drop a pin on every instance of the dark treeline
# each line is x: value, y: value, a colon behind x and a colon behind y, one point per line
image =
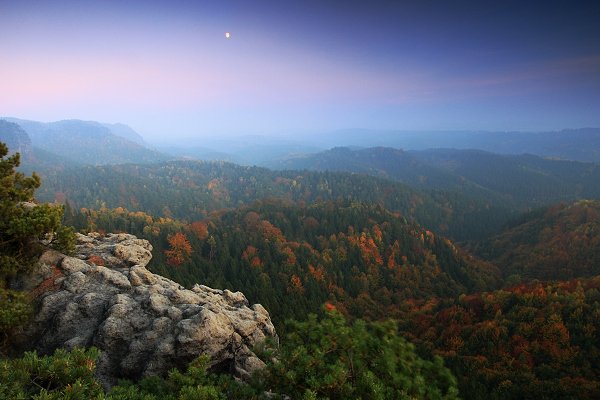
x: 191, y: 190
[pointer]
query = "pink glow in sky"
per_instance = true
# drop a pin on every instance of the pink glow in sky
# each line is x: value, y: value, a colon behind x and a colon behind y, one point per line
x: 167, y: 67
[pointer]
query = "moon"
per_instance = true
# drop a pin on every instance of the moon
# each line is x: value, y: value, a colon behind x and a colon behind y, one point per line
x: 227, y: 35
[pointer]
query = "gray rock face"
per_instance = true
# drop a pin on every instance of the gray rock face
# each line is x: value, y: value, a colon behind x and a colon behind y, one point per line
x: 144, y: 324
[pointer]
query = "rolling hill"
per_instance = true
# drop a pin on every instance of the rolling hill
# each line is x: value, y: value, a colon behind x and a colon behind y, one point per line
x: 569, y: 144
x: 557, y: 242
x: 522, y: 181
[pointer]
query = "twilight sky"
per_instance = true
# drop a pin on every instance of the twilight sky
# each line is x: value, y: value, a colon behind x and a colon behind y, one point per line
x: 166, y: 68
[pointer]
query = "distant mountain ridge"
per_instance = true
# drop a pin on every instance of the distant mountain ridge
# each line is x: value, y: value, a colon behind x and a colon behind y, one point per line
x: 524, y: 181
x: 89, y: 142
x: 385, y: 162
x: 125, y: 131
x: 244, y: 150
x: 569, y: 144
x: 17, y: 140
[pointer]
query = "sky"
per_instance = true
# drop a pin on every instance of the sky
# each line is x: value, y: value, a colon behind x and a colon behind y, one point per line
x: 295, y: 67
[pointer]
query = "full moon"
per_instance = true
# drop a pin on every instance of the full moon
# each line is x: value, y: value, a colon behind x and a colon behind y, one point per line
x: 227, y: 35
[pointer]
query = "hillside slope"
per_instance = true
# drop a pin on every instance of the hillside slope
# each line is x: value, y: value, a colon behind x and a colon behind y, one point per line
x: 558, y: 242
x: 190, y: 190
x: 531, y: 341
x: 293, y: 258
x: 521, y: 181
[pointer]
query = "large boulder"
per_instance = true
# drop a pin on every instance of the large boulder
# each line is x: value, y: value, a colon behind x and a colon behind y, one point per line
x: 143, y: 323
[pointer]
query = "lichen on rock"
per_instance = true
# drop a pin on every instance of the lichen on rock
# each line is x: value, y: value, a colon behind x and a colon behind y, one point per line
x: 143, y: 323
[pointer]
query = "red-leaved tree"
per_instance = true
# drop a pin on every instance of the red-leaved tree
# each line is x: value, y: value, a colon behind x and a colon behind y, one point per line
x: 180, y: 249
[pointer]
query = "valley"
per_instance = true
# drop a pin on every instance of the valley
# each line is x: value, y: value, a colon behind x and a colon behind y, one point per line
x: 488, y: 261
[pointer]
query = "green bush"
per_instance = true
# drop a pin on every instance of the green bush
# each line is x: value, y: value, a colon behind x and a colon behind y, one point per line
x: 15, y: 309
x: 64, y: 375
x: 330, y: 358
x: 194, y: 384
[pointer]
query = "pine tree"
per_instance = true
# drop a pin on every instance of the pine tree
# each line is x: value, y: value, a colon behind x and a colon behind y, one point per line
x: 25, y: 229
x: 334, y: 359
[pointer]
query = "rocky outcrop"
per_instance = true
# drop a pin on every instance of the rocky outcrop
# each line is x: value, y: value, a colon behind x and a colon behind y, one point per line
x: 143, y: 323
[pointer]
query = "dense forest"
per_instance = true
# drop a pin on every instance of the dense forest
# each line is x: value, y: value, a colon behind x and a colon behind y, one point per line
x: 520, y: 181
x: 299, y: 200
x: 520, y: 341
x: 292, y: 259
x: 190, y: 190
x: 535, y: 340
x: 484, y: 301
x: 557, y: 242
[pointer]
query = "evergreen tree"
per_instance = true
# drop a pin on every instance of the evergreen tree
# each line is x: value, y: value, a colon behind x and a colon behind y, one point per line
x: 330, y: 358
x: 25, y: 228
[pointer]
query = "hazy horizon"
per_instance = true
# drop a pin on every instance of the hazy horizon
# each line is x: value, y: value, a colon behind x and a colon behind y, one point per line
x: 318, y: 139
x: 167, y: 69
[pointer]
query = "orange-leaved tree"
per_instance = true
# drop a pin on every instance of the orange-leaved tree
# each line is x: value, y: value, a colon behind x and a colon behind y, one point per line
x: 180, y: 249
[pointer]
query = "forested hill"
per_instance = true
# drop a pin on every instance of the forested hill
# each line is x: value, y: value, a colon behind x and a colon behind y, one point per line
x: 523, y: 181
x: 532, y: 341
x: 528, y: 181
x: 538, y: 337
x: 190, y: 190
x: 385, y: 162
x: 89, y: 142
x: 302, y: 242
x: 294, y: 258
x: 558, y: 242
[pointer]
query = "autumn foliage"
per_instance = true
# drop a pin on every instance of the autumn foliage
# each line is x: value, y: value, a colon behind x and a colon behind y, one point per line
x: 558, y: 242
x: 180, y: 249
x: 536, y: 339
x: 530, y: 339
x: 200, y: 229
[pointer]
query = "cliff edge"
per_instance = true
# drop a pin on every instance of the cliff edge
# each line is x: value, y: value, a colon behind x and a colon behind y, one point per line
x: 143, y: 323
